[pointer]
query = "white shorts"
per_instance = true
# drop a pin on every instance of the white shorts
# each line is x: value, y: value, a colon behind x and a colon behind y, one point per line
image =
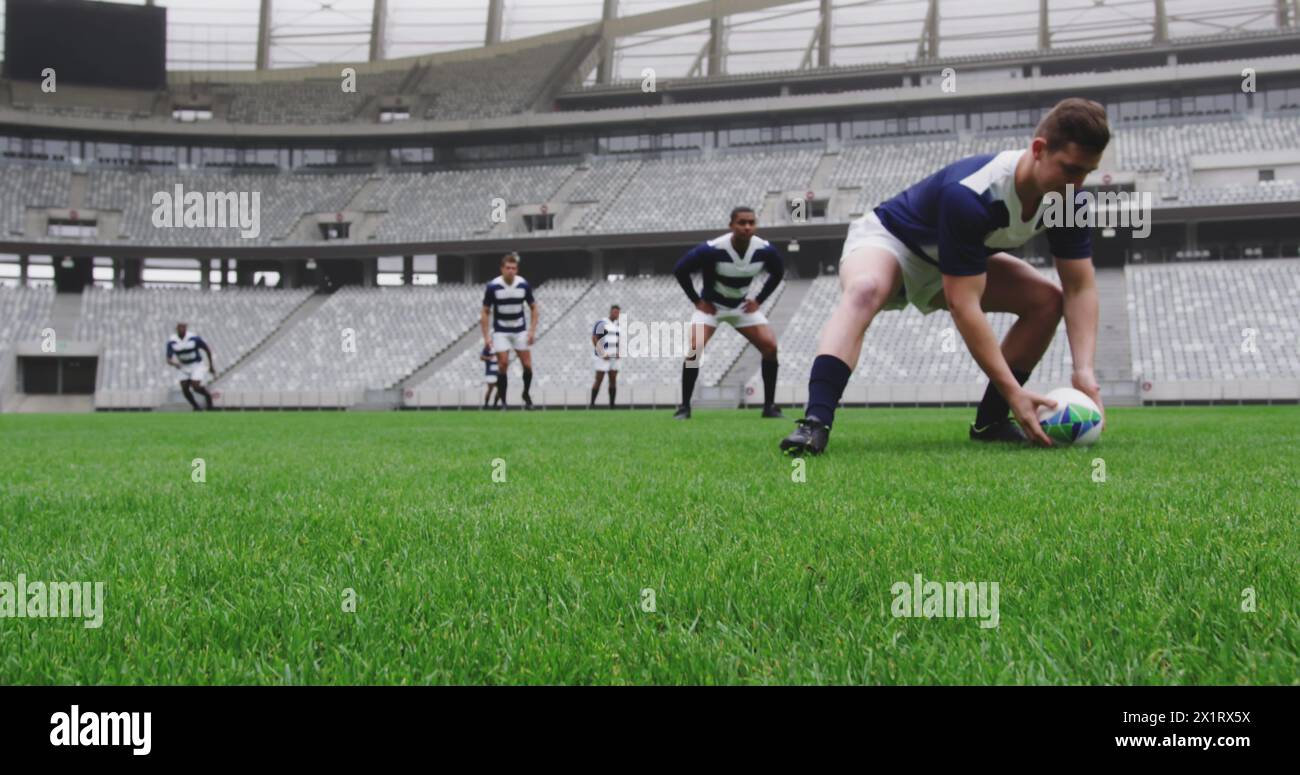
x: 504, y: 341
x: 922, y: 280
x: 604, y: 365
x: 738, y: 318
x: 195, y: 372
x: 489, y: 379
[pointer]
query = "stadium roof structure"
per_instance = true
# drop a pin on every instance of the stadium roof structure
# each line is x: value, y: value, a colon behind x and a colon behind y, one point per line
x: 683, y: 38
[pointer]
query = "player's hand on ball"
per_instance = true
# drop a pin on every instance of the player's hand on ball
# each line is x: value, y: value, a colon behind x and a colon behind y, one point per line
x: 751, y: 306
x: 706, y: 307
x: 1024, y: 405
x: 1085, y: 382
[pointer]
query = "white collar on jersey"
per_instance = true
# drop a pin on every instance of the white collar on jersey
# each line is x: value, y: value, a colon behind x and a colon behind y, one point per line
x: 724, y: 242
x: 504, y: 284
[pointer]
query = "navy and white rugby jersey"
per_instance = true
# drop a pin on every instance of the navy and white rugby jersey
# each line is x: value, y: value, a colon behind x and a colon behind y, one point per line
x: 185, y: 350
x: 606, y: 333
x: 727, y: 275
x: 490, y: 368
x: 969, y: 210
x: 507, y: 303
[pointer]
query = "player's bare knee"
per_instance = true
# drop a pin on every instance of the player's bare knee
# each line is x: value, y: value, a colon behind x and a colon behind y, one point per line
x: 1050, y: 303
x: 864, y: 293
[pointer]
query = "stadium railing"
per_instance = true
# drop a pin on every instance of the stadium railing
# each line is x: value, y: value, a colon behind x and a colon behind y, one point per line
x: 1221, y: 391
x: 289, y: 399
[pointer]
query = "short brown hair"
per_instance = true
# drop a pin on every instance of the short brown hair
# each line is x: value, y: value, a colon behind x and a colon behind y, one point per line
x: 509, y: 257
x: 1075, y: 120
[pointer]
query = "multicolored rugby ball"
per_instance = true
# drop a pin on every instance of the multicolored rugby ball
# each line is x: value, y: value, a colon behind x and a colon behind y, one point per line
x: 1075, y: 420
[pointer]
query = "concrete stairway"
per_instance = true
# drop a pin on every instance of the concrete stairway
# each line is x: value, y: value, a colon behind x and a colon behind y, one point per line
x: 472, y: 339
x: 301, y: 312
x: 1114, y: 354
x: 64, y: 314
x: 747, y: 363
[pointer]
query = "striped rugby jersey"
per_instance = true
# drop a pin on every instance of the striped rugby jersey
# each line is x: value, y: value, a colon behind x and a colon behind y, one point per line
x: 606, y: 333
x: 507, y: 303
x: 969, y: 210
x: 727, y: 275
x: 489, y: 358
x: 187, y: 350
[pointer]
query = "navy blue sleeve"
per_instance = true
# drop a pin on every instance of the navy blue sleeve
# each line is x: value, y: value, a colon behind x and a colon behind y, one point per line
x: 198, y: 342
x: 171, y: 349
x: 693, y: 261
x: 1073, y: 241
x: 487, y: 295
x: 964, y: 221
x: 775, y: 266
x: 599, y: 329
x: 528, y: 294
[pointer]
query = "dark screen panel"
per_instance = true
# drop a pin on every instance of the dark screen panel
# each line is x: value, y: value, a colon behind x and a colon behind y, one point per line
x: 87, y: 43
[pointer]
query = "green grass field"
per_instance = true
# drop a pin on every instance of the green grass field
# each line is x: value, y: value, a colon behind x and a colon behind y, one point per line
x: 756, y: 578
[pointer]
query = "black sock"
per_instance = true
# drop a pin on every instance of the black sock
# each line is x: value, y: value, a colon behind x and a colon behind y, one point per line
x: 825, y: 386
x: 528, y: 382
x: 994, y: 407
x: 612, y: 391
x: 690, y: 373
x: 189, y: 396
x: 769, y: 383
x: 595, y: 391
x: 501, y: 388
x: 207, y: 397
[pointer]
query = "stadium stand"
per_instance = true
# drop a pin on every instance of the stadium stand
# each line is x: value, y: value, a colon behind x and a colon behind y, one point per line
x: 395, y: 330
x: 133, y: 325
x: 1167, y: 148
x: 456, y: 204
x: 503, y: 85
x: 404, y: 334
x: 470, y: 89
x: 308, y: 102
x: 617, y: 194
x: 676, y: 194
x: 284, y: 199
x: 601, y: 187
x: 23, y: 313
x: 1220, y: 321
x: 25, y: 185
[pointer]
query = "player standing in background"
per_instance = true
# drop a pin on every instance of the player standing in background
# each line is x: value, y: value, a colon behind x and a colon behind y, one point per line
x: 938, y: 245
x: 729, y: 264
x: 185, y: 352
x: 490, y: 372
x: 604, y: 341
x: 504, y: 299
